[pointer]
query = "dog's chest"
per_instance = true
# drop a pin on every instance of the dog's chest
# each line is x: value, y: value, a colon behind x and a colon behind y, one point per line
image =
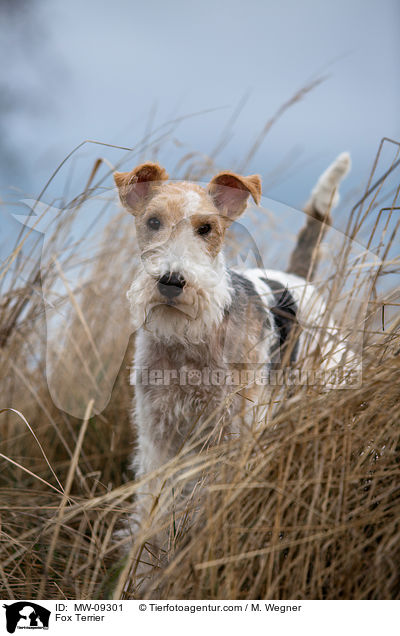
x: 176, y: 391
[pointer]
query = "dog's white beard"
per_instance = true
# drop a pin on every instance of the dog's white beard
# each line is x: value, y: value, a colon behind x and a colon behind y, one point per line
x: 200, y: 310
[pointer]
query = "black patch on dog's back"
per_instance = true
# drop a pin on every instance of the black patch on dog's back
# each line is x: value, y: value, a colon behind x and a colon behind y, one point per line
x: 245, y: 290
x: 246, y: 304
x: 284, y: 312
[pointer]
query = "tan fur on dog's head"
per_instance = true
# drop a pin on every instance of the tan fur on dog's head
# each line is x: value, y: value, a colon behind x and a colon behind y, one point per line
x: 144, y: 192
x: 230, y: 192
x: 136, y: 186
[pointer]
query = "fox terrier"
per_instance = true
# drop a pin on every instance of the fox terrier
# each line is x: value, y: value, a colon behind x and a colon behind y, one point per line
x: 199, y: 324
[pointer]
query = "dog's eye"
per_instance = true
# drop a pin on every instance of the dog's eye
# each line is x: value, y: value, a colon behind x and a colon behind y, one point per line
x: 154, y: 223
x: 204, y: 229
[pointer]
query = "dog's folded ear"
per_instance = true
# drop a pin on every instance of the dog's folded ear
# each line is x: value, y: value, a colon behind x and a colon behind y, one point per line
x: 230, y: 192
x: 138, y: 185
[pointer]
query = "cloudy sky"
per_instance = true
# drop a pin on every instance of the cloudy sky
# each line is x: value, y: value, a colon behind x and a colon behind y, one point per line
x: 110, y: 71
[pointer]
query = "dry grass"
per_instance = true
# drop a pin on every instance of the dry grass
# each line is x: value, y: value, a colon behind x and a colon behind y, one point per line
x: 308, y: 507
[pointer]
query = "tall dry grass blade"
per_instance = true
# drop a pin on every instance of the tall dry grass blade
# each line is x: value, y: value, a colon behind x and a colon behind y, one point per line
x: 37, y: 441
x: 65, y: 497
x: 296, y: 97
x: 29, y: 472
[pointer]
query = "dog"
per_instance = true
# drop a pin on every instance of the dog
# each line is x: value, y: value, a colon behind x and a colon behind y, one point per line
x: 200, y: 325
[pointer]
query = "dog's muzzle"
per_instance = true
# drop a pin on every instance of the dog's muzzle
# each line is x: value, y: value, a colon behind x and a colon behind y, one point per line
x: 171, y: 285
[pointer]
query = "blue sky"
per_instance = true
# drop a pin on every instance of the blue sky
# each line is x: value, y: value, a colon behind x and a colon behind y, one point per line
x: 97, y: 69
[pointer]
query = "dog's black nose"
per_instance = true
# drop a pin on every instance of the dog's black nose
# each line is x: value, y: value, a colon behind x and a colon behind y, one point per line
x: 171, y: 284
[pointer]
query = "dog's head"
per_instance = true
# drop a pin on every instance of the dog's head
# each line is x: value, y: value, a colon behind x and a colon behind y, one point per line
x: 182, y: 289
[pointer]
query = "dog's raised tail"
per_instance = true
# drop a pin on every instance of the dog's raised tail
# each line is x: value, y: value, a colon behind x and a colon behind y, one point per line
x: 324, y: 197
